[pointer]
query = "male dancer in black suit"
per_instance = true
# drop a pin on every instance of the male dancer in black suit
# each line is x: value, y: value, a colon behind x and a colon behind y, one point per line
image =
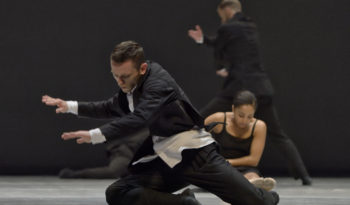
x: 171, y: 147
x: 237, y: 57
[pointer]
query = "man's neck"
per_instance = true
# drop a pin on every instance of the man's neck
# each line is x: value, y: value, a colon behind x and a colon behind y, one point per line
x: 132, y: 90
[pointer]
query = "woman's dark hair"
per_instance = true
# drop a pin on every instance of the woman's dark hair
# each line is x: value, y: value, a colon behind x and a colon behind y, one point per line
x: 245, y: 97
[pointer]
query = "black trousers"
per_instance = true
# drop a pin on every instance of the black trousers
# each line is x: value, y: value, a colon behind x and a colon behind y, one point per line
x: 152, y: 183
x: 266, y: 112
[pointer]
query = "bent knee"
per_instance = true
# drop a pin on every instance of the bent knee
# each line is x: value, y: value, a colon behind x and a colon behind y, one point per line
x: 114, y: 195
x: 122, y: 196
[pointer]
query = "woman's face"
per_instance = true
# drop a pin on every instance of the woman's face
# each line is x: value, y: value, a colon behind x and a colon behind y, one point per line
x: 243, y: 115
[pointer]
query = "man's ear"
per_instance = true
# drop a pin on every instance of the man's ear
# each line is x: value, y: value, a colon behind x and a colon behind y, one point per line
x: 233, y: 107
x: 143, y: 68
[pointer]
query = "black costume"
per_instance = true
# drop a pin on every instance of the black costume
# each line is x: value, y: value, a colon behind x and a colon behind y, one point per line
x: 236, y: 48
x: 232, y: 147
x: 162, y: 109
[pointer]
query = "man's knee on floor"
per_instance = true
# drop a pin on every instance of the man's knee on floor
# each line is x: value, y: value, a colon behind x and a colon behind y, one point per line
x: 114, y: 195
x: 121, y: 196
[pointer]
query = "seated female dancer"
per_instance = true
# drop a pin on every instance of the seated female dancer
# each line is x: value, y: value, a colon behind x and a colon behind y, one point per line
x: 241, y: 138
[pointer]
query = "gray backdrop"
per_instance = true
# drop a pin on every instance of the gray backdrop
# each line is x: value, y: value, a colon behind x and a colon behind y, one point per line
x: 61, y: 48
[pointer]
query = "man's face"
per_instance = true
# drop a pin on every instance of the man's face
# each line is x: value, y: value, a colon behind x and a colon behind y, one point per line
x: 126, y: 74
x: 225, y: 13
x: 221, y: 13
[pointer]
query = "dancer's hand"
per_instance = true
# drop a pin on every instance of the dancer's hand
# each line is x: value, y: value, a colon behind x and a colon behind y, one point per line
x: 62, y: 106
x: 82, y: 136
x: 223, y: 73
x: 196, y: 34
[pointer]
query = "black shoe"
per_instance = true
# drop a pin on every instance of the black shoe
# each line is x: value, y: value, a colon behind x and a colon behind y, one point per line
x: 66, y: 173
x: 189, y: 198
x: 275, y: 196
x: 307, y: 181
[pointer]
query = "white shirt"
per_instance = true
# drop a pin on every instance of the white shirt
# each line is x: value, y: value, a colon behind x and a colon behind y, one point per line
x: 200, y: 41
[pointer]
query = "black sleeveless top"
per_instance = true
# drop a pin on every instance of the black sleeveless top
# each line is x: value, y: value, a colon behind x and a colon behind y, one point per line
x: 233, y: 147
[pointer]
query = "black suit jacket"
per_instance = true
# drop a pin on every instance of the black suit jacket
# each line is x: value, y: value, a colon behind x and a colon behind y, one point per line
x: 161, y: 108
x: 236, y: 48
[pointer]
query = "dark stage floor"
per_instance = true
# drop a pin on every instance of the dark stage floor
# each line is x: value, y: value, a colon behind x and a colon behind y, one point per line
x: 43, y: 190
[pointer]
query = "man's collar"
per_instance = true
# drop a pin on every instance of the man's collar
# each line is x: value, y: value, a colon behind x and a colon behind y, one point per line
x: 132, y: 90
x: 239, y: 16
x: 143, y: 77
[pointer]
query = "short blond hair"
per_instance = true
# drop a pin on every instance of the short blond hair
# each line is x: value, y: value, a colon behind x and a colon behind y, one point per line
x: 233, y: 4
